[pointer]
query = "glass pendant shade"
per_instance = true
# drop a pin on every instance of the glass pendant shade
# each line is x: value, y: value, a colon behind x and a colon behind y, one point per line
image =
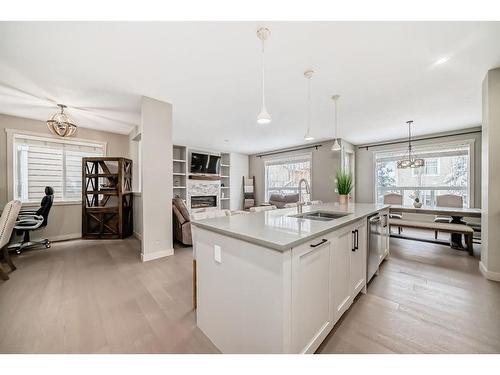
x: 308, y: 137
x: 336, y: 145
x: 61, y: 124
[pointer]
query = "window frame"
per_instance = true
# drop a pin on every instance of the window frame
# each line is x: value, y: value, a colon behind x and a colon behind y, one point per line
x: 13, y: 134
x: 470, y: 164
x: 291, y: 157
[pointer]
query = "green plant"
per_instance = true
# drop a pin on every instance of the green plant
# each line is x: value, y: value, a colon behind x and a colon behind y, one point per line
x: 344, y: 182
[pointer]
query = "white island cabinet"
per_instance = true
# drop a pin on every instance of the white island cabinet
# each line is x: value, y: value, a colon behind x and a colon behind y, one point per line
x: 272, y: 283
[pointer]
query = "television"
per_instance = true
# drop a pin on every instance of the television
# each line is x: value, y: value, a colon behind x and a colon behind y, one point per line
x: 205, y: 163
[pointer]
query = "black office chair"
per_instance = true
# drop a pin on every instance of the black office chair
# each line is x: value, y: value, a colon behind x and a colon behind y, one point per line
x: 30, y: 220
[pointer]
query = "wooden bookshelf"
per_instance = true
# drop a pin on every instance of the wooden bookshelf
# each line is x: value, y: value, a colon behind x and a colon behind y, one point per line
x: 107, y: 198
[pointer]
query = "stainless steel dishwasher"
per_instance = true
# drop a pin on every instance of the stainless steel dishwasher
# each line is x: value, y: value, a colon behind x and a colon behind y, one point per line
x: 374, y: 235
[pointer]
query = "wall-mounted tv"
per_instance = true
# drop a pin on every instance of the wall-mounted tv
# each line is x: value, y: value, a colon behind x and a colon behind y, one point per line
x: 205, y: 163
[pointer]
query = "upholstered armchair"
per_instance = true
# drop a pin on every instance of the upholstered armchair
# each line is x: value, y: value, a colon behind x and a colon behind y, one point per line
x: 181, y: 222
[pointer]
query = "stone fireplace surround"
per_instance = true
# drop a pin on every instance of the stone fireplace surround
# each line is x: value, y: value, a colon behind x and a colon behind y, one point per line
x: 203, y: 188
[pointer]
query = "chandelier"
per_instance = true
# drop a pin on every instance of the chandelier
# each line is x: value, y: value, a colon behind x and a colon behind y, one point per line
x: 409, y: 160
x: 61, y: 124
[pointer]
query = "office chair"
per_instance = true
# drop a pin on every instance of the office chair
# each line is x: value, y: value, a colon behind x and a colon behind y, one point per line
x: 29, y: 220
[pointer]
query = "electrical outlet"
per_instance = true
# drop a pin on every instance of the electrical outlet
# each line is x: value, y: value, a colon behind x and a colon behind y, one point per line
x: 217, y: 254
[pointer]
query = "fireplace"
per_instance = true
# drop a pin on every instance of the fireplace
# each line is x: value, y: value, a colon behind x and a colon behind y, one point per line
x: 203, y: 201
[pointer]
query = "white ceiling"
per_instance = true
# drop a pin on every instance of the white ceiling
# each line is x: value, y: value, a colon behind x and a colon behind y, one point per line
x: 210, y: 72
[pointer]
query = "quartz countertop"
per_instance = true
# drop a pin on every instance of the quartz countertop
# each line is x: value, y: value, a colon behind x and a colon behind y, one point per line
x: 279, y: 230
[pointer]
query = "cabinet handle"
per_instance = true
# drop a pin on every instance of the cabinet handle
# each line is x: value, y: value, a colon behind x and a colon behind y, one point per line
x: 357, y: 239
x: 353, y: 240
x: 319, y: 243
x: 386, y: 220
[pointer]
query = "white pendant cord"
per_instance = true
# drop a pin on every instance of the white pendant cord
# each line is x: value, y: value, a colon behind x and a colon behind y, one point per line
x: 263, y: 118
x: 263, y: 77
x: 308, y: 105
x: 336, y: 145
x: 336, y: 119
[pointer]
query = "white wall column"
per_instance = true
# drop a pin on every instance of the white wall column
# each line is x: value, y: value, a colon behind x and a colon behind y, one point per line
x: 156, y: 160
x: 490, y: 254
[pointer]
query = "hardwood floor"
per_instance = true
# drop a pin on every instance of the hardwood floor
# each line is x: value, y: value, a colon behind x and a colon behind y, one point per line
x: 97, y: 297
x: 427, y: 298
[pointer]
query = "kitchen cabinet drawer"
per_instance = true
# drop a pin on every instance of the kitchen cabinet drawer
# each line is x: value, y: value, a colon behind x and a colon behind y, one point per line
x: 311, y: 294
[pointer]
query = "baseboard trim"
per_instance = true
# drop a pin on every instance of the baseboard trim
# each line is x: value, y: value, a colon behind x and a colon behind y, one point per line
x: 138, y: 236
x: 156, y: 255
x: 490, y: 275
x: 65, y: 237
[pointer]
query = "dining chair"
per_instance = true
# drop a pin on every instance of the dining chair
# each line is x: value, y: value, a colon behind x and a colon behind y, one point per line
x: 447, y: 200
x: 394, y: 198
x: 262, y: 208
x: 7, y: 223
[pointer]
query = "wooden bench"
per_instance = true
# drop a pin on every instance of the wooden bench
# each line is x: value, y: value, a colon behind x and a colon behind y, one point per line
x: 467, y: 231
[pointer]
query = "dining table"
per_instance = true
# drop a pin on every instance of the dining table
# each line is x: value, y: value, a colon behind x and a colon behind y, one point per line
x: 456, y: 213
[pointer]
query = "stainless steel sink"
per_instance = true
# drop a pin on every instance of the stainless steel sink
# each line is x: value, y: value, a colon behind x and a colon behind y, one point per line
x: 320, y: 215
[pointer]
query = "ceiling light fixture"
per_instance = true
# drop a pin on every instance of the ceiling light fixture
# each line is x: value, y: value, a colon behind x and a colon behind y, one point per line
x: 264, y: 117
x: 308, y: 74
x: 442, y: 60
x: 336, y: 145
x: 409, y: 160
x: 61, y: 124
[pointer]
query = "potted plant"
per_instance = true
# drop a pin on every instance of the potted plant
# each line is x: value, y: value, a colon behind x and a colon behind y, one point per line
x: 344, y: 185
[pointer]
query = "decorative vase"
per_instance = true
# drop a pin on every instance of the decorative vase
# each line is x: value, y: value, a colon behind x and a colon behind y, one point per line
x: 343, y: 199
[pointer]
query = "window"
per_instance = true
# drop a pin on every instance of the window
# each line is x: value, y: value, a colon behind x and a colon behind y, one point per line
x: 40, y: 162
x: 446, y: 171
x: 431, y: 168
x: 283, y: 175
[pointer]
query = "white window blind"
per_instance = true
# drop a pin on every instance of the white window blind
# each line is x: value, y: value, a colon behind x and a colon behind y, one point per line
x: 41, y: 162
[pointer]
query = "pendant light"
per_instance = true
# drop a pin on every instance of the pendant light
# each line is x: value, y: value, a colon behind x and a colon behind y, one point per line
x: 308, y: 74
x: 264, y: 117
x: 409, y: 160
x: 61, y: 124
x: 336, y: 146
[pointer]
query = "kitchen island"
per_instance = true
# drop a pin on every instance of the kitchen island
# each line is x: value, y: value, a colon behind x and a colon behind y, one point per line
x: 277, y: 281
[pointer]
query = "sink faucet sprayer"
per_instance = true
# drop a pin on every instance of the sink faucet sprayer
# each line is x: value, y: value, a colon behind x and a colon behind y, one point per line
x: 308, y: 191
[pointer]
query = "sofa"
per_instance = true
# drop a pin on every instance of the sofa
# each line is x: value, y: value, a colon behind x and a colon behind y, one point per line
x: 280, y: 200
x: 181, y: 222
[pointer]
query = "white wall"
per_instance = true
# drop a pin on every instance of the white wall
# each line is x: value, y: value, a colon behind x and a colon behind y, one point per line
x: 238, y: 169
x: 490, y: 254
x: 365, y: 180
x: 156, y: 158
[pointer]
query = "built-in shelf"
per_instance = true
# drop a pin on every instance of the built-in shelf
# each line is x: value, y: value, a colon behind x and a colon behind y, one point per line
x: 181, y: 175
